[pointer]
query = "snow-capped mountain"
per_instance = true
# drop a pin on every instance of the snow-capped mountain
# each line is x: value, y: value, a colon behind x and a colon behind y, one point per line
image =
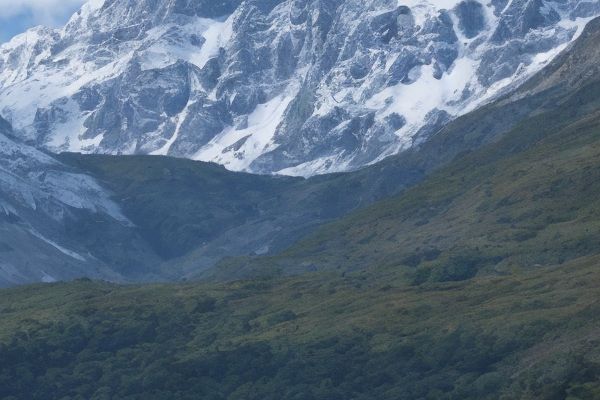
x: 56, y: 221
x: 297, y: 87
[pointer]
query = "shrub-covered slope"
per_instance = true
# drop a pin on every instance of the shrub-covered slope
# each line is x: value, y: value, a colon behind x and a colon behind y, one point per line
x: 530, y: 335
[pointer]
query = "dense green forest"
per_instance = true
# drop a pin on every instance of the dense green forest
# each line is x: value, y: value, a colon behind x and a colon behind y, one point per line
x: 531, y: 335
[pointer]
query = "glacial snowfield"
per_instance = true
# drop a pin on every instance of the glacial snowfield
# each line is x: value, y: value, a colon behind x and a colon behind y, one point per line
x: 43, y: 205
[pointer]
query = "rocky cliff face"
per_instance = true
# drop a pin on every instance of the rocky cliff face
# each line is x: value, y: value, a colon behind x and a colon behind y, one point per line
x: 57, y: 223
x: 298, y: 87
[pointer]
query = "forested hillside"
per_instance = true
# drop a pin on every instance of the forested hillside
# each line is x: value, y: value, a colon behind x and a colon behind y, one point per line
x: 530, y: 335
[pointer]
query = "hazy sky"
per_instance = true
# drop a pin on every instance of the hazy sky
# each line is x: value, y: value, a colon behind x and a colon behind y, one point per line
x: 18, y: 15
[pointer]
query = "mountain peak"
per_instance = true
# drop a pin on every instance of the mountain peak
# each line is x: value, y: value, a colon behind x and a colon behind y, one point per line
x: 298, y: 87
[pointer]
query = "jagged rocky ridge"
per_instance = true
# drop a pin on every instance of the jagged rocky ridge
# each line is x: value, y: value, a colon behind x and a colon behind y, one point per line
x: 298, y: 87
x: 57, y: 223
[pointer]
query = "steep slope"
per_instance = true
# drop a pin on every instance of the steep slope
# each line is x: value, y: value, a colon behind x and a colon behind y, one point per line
x: 530, y: 336
x: 57, y: 223
x: 292, y: 86
x: 527, y: 198
x: 194, y: 214
x: 536, y: 208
